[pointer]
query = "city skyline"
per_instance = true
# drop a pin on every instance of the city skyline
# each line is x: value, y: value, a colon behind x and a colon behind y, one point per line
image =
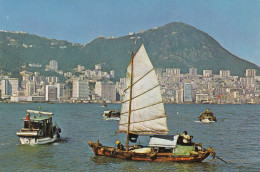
x: 97, y: 86
x: 234, y: 24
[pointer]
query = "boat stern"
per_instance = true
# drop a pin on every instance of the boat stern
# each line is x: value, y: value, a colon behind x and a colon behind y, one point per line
x: 28, y: 140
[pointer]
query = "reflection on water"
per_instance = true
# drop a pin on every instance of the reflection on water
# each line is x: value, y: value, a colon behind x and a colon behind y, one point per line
x: 235, y: 138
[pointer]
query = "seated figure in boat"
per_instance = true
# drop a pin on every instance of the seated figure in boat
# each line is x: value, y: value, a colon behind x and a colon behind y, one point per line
x: 119, y: 145
x: 185, y: 138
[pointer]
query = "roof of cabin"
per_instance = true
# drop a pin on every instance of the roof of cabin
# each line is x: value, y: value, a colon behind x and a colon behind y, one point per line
x: 39, y: 112
x: 38, y: 118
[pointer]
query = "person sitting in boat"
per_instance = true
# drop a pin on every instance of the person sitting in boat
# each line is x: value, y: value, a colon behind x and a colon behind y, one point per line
x: 27, y: 117
x: 186, y: 138
x: 119, y: 145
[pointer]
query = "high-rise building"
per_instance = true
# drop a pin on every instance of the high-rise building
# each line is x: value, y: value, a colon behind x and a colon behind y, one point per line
x: 52, y: 79
x: 112, y: 74
x: 107, y: 91
x: 52, y: 92
x: 187, y: 92
x: 250, y: 73
x: 224, y: 73
x: 98, y: 67
x: 207, y: 73
x: 179, y: 96
x: 53, y: 65
x: 174, y: 71
x: 202, y: 97
x: 193, y: 72
x: 247, y: 81
x: 67, y: 94
x: 80, y: 89
x: 9, y: 86
x: 30, y: 88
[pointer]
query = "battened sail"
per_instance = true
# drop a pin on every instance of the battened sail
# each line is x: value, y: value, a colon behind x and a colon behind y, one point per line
x: 147, y: 114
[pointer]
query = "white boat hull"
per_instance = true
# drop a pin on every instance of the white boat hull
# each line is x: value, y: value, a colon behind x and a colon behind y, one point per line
x: 37, y: 141
x: 207, y: 121
x: 111, y: 118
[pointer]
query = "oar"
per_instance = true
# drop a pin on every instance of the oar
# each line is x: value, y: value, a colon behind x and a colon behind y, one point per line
x: 213, y: 153
x: 221, y: 159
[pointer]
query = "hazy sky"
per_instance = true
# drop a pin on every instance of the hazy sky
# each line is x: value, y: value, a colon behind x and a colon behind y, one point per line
x: 235, y: 24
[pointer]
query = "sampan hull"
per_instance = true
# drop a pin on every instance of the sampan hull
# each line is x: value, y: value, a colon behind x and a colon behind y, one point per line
x: 161, y: 157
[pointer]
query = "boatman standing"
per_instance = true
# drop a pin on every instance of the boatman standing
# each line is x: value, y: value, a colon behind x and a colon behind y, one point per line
x: 28, y: 117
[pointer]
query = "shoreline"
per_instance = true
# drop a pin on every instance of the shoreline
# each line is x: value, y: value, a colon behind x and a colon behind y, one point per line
x: 89, y: 102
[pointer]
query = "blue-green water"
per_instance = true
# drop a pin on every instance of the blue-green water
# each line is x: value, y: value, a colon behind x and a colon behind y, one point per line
x: 235, y: 138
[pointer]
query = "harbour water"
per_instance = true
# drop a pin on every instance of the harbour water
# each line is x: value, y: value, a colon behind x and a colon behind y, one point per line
x: 235, y: 137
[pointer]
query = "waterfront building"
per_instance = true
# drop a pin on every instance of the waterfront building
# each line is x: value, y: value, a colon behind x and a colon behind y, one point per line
x: 106, y: 90
x: 179, y: 96
x: 9, y: 86
x: 202, y: 98
x: 67, y: 93
x: 80, y: 89
x: 187, y: 92
x: 52, y: 93
x: 234, y: 95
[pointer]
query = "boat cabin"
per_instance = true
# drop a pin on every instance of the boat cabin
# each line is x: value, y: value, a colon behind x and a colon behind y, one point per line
x: 38, y: 124
x: 111, y: 113
x: 164, y: 143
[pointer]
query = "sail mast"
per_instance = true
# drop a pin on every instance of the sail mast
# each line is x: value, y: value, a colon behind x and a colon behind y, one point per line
x: 130, y: 103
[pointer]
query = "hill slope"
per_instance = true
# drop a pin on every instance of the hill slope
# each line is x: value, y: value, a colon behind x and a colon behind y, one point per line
x: 175, y: 45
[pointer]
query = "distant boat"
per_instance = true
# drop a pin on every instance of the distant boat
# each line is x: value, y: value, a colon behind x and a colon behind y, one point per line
x: 142, y: 113
x: 111, y: 114
x: 207, y: 117
x: 38, y: 128
x: 104, y: 105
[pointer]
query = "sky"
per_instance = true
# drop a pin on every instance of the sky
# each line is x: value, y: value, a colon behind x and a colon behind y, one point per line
x: 235, y: 24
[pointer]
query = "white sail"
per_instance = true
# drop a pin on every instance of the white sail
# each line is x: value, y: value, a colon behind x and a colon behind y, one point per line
x: 147, y: 115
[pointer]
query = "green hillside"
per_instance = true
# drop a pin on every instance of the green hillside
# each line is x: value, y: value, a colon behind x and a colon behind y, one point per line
x: 175, y: 45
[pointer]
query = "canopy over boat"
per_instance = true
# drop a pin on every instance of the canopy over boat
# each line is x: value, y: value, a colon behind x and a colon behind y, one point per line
x: 167, y: 141
x: 39, y: 112
x: 142, y: 105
